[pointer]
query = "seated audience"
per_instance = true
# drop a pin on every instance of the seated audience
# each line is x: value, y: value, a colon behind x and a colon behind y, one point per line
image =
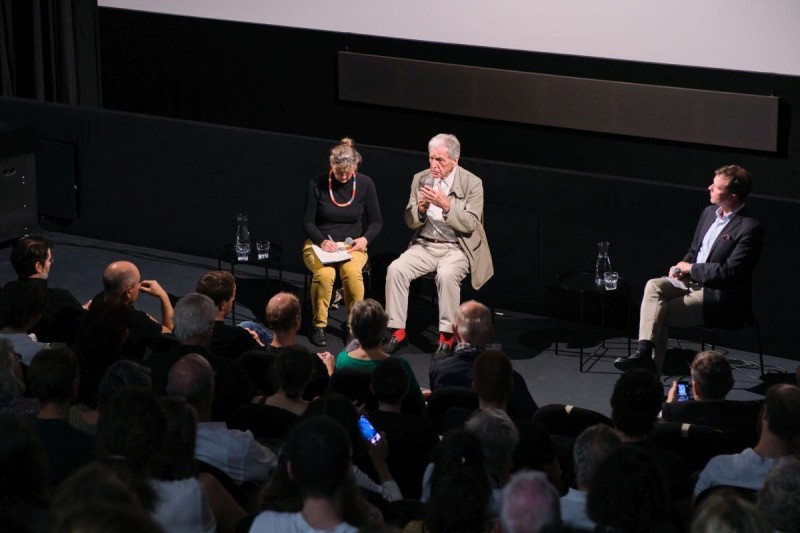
x: 121, y: 375
x: 493, y: 381
x: 460, y: 493
x: 12, y: 384
x: 368, y: 324
x: 370, y: 469
x: 499, y: 437
x: 530, y: 505
x: 21, y: 307
x: 779, y: 499
x: 24, y: 493
x: 635, y: 404
x: 728, y: 512
x: 591, y: 448
x: 271, y: 418
x: 53, y: 380
x: 99, y: 342
x: 712, y: 379
x: 194, y: 322
x: 226, y: 340
x: 96, y: 499
x: 630, y: 493
x: 412, y: 438
x: 122, y: 284
x: 234, y: 452
x: 283, y: 316
x: 185, y: 501
x: 318, y: 464
x: 779, y: 425
x: 472, y: 329
x: 32, y: 259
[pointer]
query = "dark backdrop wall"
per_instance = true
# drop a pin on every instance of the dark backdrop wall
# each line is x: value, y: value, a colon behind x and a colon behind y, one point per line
x: 247, y: 113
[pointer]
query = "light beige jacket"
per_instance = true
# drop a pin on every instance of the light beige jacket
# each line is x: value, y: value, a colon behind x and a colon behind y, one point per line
x: 465, y: 217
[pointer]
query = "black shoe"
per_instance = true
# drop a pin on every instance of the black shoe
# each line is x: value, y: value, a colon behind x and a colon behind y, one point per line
x: 443, y: 350
x: 392, y: 345
x: 318, y: 337
x: 635, y: 360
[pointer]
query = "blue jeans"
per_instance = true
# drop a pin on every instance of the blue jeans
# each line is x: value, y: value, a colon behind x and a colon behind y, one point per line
x: 264, y: 334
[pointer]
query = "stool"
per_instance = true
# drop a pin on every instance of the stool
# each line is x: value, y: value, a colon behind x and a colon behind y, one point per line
x: 749, y: 321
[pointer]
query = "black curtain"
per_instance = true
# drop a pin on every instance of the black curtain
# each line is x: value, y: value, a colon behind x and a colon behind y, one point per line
x: 49, y: 51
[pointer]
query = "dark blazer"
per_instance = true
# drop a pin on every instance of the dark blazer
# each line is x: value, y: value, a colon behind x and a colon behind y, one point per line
x: 727, y: 275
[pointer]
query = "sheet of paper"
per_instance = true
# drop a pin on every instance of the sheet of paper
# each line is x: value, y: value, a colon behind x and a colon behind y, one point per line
x: 339, y: 256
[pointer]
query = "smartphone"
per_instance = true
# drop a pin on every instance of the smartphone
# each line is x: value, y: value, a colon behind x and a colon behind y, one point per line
x: 368, y: 431
x: 684, y: 391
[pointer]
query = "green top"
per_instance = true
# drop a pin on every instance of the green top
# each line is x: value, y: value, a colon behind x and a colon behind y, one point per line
x: 343, y: 360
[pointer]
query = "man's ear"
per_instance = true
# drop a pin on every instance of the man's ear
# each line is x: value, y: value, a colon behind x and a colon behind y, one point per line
x: 38, y: 266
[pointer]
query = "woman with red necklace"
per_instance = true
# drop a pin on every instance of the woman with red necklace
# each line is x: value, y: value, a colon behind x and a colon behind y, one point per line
x: 340, y: 204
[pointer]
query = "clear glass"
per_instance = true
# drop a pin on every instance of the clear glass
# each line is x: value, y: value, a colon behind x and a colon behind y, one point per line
x: 603, y: 263
x: 611, y: 279
x: 429, y: 181
x: 262, y: 247
x: 242, y: 244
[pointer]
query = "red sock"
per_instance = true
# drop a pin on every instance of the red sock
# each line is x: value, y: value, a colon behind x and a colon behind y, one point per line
x: 446, y: 338
x: 399, y: 334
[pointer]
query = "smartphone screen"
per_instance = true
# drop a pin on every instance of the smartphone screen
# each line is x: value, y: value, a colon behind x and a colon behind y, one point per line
x: 683, y: 391
x: 368, y: 430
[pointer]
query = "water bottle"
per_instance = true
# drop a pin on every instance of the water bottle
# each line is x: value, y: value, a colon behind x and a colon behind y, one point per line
x: 242, y: 244
x: 603, y: 263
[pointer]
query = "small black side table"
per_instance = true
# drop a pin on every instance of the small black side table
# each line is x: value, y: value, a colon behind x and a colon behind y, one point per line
x: 227, y: 254
x: 583, y: 284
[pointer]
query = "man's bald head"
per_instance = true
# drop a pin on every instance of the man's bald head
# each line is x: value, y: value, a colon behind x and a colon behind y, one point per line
x: 121, y: 282
x: 472, y: 323
x: 192, y: 378
x: 283, y: 312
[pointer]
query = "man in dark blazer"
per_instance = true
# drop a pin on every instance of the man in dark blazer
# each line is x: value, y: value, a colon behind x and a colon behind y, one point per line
x: 712, y: 286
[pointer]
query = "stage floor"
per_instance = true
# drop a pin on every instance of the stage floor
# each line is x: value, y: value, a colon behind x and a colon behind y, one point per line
x: 527, y: 339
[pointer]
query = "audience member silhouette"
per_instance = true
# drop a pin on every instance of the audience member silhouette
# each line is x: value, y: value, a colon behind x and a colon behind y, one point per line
x: 12, y: 384
x: 728, y: 512
x: 53, y: 379
x: 530, y: 505
x: 591, y: 448
x: 21, y: 307
x: 499, y: 437
x: 780, y: 426
x: 779, y: 498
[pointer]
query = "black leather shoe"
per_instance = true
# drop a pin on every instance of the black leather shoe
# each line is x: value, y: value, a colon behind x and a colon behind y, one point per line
x: 318, y: 337
x: 392, y: 345
x: 442, y: 351
x: 635, y: 360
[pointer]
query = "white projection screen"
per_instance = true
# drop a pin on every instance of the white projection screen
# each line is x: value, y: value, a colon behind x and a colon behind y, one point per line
x: 744, y: 35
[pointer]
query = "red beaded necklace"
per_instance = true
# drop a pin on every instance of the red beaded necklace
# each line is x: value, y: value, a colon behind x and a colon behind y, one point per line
x: 330, y: 191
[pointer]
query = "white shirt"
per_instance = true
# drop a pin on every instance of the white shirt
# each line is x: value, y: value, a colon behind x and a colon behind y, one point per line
x: 25, y: 345
x: 269, y: 521
x: 435, y: 225
x: 720, y: 221
x: 746, y: 469
x: 237, y: 453
x: 182, y: 507
x: 573, y: 510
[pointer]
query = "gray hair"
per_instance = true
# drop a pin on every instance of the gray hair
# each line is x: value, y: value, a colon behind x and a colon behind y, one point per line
x: 779, y: 499
x: 473, y: 320
x: 591, y: 448
x: 499, y: 437
x: 10, y: 385
x: 530, y: 504
x: 194, y: 316
x: 448, y: 141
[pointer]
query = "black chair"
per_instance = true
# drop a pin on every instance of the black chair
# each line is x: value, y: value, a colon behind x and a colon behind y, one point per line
x: 696, y: 444
x: 568, y: 420
x: 443, y: 399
